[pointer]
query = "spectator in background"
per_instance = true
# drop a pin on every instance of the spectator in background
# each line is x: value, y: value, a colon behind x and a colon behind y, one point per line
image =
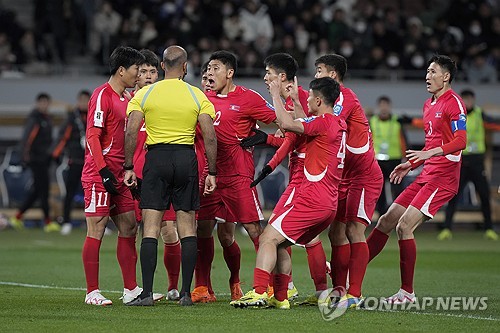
x: 480, y: 71
x: 105, y: 28
x: 256, y: 22
x: 390, y: 146
x: 472, y: 169
x: 71, y: 142
x: 35, y: 150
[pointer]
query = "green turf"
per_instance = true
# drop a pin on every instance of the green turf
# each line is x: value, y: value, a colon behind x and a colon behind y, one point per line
x: 465, y: 266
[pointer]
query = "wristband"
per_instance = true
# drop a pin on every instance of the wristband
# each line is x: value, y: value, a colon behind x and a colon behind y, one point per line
x: 128, y: 167
x: 214, y: 173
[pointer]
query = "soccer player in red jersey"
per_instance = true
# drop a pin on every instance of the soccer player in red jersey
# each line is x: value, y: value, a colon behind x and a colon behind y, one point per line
x: 308, y: 215
x: 283, y: 67
x: 237, y: 110
x: 104, y: 192
x: 361, y: 185
x: 445, y: 137
x: 148, y: 74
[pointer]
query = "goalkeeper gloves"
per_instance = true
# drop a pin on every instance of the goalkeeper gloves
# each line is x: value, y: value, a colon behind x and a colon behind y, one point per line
x: 109, y: 181
x: 258, y: 138
x: 266, y: 171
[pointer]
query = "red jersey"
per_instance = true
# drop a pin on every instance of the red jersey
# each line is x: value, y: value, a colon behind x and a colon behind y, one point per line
x: 442, y: 118
x: 360, y: 156
x: 325, y: 148
x: 292, y: 143
x: 235, y: 115
x: 107, y: 111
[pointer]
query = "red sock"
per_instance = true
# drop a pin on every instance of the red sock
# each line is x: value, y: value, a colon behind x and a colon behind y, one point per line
x: 172, y: 261
x: 19, y: 215
x: 376, y: 242
x: 316, y: 259
x: 204, y: 261
x: 90, y: 257
x: 255, y: 244
x: 281, y: 286
x: 232, y: 256
x: 407, y: 260
x: 340, y: 262
x: 127, y: 258
x: 357, y: 267
x: 289, y: 250
x: 46, y: 221
x: 260, y: 280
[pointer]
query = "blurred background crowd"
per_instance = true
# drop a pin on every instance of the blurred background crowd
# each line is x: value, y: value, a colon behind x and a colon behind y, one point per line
x: 382, y: 39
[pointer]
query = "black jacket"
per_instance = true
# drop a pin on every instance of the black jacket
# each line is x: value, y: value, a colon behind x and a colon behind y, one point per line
x: 37, y: 138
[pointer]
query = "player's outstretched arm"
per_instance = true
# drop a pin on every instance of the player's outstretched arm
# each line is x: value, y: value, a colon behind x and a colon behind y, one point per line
x: 283, y: 118
x: 210, y: 141
x: 294, y: 94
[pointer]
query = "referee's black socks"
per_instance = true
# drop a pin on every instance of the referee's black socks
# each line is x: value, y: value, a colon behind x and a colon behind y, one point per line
x: 149, y: 253
x: 189, y: 252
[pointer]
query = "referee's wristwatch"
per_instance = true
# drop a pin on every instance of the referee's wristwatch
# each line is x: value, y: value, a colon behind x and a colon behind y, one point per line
x: 128, y: 167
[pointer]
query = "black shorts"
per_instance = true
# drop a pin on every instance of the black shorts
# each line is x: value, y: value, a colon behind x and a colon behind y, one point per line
x: 170, y: 177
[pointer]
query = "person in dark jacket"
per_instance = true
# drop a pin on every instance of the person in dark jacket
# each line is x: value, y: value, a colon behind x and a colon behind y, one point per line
x: 71, y: 142
x: 35, y: 152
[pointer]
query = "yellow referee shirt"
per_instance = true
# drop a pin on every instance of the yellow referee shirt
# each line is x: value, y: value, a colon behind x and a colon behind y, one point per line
x: 171, y: 109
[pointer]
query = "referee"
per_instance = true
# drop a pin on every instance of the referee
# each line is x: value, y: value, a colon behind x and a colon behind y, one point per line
x: 171, y: 109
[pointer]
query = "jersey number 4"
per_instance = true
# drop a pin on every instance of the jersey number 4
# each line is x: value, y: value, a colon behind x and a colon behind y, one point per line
x: 341, y: 153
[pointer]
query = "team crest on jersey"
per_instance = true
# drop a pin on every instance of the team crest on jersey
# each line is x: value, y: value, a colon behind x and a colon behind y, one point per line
x: 439, y: 114
x: 234, y: 107
x: 337, y: 109
x: 269, y: 105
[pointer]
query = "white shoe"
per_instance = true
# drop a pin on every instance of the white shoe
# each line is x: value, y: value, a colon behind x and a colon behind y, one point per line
x: 401, y: 297
x: 66, y: 229
x: 173, y: 295
x: 130, y: 295
x: 95, y: 298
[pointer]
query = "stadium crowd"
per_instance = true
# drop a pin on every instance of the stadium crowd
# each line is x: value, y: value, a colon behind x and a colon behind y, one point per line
x: 379, y: 38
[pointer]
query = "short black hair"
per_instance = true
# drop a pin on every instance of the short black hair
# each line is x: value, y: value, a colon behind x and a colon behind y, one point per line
x: 328, y: 88
x: 227, y: 58
x: 467, y: 93
x: 204, y: 67
x: 124, y: 56
x: 283, y: 63
x: 446, y: 63
x: 150, y: 58
x: 333, y: 62
x: 384, y: 98
x: 43, y: 95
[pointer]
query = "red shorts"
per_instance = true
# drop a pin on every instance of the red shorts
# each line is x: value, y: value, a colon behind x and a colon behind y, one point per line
x: 357, y: 199
x: 98, y: 202
x: 426, y: 197
x: 291, y: 192
x: 232, y: 201
x: 169, y: 214
x: 300, y: 223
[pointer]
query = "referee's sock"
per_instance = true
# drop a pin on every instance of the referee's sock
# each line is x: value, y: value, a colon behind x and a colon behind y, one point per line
x: 189, y: 249
x: 149, y: 253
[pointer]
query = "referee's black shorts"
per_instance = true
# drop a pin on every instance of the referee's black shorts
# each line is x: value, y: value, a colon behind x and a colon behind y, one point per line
x: 170, y: 177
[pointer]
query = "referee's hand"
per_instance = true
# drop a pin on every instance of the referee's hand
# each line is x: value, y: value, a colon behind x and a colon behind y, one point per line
x: 210, y: 185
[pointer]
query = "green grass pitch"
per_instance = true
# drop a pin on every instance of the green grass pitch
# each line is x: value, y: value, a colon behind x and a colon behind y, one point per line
x: 42, y: 290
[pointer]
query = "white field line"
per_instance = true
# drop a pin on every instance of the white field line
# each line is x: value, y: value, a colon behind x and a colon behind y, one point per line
x: 40, y: 286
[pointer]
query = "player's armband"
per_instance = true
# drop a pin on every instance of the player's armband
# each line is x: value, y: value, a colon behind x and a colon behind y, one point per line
x: 459, y: 124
